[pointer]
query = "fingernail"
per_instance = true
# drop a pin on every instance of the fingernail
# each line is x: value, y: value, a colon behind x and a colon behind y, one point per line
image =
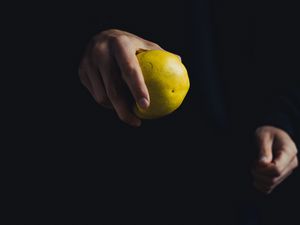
x: 143, y: 103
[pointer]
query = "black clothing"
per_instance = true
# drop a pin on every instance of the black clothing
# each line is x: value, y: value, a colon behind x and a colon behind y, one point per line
x: 191, y: 166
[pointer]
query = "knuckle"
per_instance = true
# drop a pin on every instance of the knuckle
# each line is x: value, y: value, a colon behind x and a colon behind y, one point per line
x: 130, y: 70
x: 154, y: 45
x: 157, y: 45
x: 296, y: 163
x: 259, y: 130
x: 100, y: 99
x: 124, y: 117
x: 100, y: 48
x: 117, y: 40
x: 104, y: 35
x: 263, y: 130
x: 295, y: 150
x: 260, y: 133
x: 109, y: 32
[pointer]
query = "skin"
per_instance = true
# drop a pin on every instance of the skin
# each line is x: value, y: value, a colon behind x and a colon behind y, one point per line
x: 111, y: 73
x: 277, y: 158
x: 110, y: 70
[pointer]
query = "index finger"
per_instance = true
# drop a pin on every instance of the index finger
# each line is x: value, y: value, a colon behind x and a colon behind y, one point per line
x: 125, y: 55
x: 277, y: 166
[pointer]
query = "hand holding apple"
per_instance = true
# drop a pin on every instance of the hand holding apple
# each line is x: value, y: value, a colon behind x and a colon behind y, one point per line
x: 112, y: 70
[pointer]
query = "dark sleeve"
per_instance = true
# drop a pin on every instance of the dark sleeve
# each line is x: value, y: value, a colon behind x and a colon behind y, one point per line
x: 131, y: 16
x: 284, y: 112
x: 277, y: 59
x: 90, y: 19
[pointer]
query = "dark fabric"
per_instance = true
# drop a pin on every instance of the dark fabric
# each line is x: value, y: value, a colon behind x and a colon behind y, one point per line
x: 70, y: 158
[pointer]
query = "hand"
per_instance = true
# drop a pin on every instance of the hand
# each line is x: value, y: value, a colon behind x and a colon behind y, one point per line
x: 110, y: 71
x: 277, y: 158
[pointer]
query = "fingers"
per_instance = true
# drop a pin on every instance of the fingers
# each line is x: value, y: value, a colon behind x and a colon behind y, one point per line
x: 115, y: 91
x: 284, y: 157
x: 86, y: 82
x: 278, y: 158
x: 264, y: 142
x: 91, y: 79
x: 110, y: 62
x: 84, y: 77
x: 266, y: 169
x: 97, y: 85
x: 267, y: 183
x: 125, y: 55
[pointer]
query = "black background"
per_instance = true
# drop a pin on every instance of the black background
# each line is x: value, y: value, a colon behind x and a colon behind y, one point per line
x: 68, y: 160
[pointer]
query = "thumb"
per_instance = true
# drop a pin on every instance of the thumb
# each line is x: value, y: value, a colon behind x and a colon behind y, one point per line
x: 265, y: 142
